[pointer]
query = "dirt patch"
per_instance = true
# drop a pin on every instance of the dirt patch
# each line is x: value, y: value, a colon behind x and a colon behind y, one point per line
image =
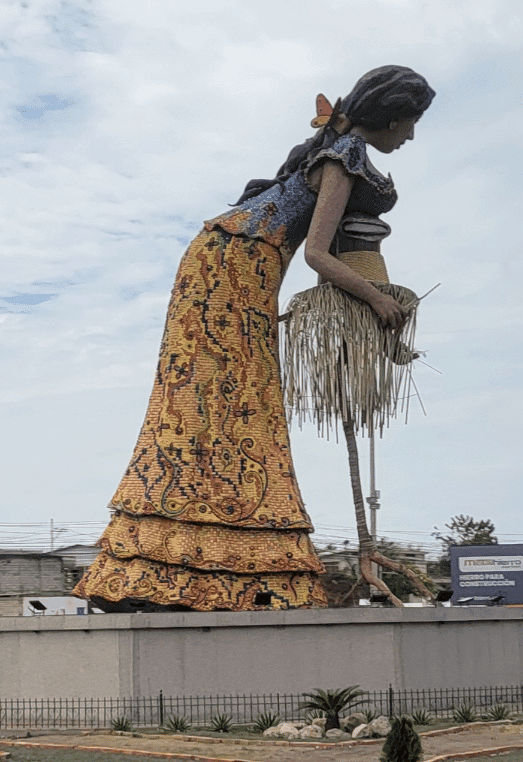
x: 477, y: 738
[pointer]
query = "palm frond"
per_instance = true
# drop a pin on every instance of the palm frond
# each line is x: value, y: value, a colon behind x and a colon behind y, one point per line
x: 332, y: 700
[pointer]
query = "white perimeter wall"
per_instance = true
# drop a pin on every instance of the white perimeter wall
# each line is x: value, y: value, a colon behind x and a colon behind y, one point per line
x: 259, y: 652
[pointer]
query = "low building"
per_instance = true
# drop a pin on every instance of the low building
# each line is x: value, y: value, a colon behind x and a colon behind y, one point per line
x: 31, y: 575
x: 44, y: 605
x: 76, y: 560
x: 25, y: 573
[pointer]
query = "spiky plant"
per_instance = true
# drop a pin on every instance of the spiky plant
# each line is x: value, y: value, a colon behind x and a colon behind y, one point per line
x: 313, y: 714
x: 465, y: 713
x: 402, y: 743
x: 266, y: 720
x: 498, y: 712
x: 221, y: 723
x: 370, y: 715
x: 176, y: 724
x: 122, y: 723
x: 421, y: 717
x: 331, y: 703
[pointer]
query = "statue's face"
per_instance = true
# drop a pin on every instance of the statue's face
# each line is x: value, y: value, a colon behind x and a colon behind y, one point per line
x: 393, y: 136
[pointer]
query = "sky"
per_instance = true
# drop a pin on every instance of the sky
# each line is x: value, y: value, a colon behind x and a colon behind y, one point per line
x: 125, y: 124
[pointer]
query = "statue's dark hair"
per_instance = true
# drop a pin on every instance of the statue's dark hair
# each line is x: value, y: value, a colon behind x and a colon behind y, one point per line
x: 390, y: 93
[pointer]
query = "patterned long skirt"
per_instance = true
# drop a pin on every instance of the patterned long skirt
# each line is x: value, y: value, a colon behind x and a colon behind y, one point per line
x: 208, y: 514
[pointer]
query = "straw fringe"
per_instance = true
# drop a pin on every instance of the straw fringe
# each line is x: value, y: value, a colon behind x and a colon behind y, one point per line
x: 338, y: 359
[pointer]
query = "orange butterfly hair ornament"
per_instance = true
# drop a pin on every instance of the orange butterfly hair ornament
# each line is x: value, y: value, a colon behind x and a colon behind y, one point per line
x: 326, y: 114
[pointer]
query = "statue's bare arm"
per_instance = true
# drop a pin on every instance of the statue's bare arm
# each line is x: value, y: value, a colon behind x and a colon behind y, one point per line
x: 334, y: 189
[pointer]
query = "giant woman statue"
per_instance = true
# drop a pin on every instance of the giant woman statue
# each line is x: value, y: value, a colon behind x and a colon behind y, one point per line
x: 208, y: 514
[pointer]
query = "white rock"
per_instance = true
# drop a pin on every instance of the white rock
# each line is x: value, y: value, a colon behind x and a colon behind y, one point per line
x: 338, y: 735
x: 352, y: 721
x: 271, y: 732
x: 362, y: 731
x: 287, y: 731
x: 311, y: 731
x: 380, y: 726
x: 320, y: 721
x: 290, y: 735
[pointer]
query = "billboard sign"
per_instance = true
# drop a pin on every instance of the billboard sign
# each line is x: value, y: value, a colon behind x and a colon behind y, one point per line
x: 484, y: 572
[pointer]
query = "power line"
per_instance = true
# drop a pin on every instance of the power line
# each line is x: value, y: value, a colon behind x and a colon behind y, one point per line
x: 42, y: 535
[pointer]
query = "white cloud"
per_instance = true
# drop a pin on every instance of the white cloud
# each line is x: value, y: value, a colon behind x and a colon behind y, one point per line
x: 167, y: 114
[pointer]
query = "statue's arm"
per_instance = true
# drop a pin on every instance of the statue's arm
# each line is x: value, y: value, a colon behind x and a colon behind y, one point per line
x: 334, y: 190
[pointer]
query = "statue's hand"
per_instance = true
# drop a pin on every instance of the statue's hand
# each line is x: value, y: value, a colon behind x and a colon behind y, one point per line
x: 390, y: 312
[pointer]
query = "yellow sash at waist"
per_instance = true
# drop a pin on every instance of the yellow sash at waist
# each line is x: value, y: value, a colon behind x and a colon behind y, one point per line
x: 369, y: 264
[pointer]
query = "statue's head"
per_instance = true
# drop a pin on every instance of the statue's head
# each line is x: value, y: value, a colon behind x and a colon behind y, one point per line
x: 390, y: 93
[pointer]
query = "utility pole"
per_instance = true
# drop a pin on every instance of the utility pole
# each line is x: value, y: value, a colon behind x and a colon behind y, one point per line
x: 54, y: 532
x: 373, y: 500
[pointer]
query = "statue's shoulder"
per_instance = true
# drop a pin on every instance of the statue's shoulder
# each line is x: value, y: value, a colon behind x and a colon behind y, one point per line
x: 350, y: 150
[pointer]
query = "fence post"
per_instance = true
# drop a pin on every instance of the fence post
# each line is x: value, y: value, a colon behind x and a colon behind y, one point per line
x: 391, y: 701
x: 160, y: 707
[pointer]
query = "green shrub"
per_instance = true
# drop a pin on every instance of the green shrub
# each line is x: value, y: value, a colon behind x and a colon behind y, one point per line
x: 498, y: 712
x: 370, y: 715
x: 421, y: 717
x: 222, y: 723
x: 266, y: 720
x: 176, y: 724
x: 465, y: 713
x: 402, y: 743
x: 122, y: 723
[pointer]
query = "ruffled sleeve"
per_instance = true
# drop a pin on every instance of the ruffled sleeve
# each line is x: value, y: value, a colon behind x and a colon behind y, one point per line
x: 350, y: 150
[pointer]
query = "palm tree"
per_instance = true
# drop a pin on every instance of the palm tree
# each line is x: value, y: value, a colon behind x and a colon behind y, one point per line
x: 332, y: 703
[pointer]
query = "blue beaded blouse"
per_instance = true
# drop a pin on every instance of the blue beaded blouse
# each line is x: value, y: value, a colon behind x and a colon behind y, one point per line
x: 281, y: 216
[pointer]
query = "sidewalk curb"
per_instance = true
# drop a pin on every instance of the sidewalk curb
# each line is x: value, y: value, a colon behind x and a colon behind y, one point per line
x: 478, y: 753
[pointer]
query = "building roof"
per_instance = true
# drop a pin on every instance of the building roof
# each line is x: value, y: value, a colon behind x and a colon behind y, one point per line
x: 22, y: 552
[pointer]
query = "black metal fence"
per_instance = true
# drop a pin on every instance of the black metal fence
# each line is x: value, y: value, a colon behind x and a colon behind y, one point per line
x: 153, y: 711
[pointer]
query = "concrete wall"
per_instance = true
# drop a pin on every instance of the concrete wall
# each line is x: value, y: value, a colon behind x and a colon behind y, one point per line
x: 259, y: 652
